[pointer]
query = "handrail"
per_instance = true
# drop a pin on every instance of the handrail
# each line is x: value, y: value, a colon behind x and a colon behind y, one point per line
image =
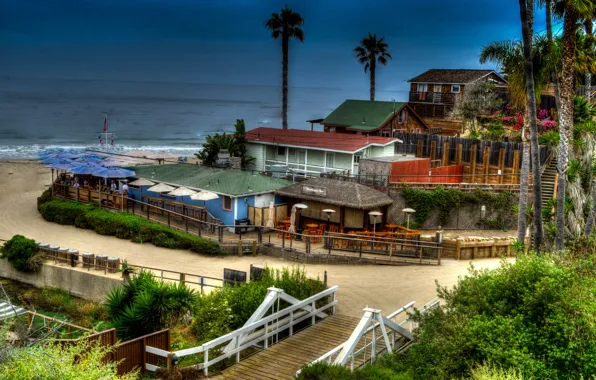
x: 547, y: 162
x: 247, y: 329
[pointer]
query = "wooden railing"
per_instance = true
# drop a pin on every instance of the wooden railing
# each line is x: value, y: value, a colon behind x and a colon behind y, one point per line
x: 53, y: 323
x: 85, y: 195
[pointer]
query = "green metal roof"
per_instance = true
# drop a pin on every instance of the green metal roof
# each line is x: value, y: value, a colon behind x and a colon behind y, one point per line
x: 355, y: 113
x: 363, y: 127
x: 228, y: 182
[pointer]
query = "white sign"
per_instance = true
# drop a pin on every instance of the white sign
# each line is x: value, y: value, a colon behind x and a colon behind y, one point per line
x: 312, y: 190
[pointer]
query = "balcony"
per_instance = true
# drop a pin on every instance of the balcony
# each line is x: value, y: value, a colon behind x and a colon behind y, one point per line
x: 433, y: 97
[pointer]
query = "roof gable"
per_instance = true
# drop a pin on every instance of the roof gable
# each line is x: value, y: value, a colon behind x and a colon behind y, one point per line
x: 331, y: 141
x: 362, y: 112
x: 457, y: 76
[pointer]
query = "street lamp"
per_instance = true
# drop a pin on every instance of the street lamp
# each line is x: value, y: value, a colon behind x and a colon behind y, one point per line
x: 374, y: 214
x: 328, y: 211
x: 300, y: 207
x: 408, y: 211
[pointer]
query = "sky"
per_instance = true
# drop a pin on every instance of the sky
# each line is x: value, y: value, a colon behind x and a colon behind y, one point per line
x: 225, y: 41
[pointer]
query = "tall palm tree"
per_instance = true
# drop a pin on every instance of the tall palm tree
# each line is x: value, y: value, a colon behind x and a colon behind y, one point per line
x: 548, y: 5
x: 285, y: 25
x: 588, y: 23
x: 527, y: 17
x: 573, y: 11
x: 368, y: 53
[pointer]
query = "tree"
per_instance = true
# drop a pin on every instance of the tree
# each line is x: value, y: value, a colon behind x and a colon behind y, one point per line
x: 240, y: 142
x: 509, y: 56
x: 588, y: 25
x: 479, y: 98
x: 573, y: 11
x: 285, y: 25
x: 527, y: 18
x: 368, y: 53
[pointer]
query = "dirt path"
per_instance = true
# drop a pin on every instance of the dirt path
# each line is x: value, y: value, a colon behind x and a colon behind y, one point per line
x: 383, y: 287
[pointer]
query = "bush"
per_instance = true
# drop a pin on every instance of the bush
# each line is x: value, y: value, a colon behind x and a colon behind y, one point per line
x: 123, y: 226
x: 323, y: 371
x: 22, y: 254
x: 144, y: 305
x: 45, y: 197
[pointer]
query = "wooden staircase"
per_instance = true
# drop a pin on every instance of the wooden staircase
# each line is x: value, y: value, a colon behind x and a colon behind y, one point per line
x: 549, y: 179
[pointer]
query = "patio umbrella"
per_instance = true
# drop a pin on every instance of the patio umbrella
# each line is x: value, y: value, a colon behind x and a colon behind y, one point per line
x: 83, y: 169
x: 142, y: 182
x: 112, y: 172
x: 292, y: 220
x: 56, y: 160
x: 270, y: 223
x: 204, y: 196
x: 182, y: 191
x: 59, y: 166
x: 161, y: 188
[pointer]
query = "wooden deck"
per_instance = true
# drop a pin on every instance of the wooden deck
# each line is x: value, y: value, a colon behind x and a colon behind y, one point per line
x: 281, y: 361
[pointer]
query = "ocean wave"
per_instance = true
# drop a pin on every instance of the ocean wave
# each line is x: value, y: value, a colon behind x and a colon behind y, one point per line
x: 32, y: 151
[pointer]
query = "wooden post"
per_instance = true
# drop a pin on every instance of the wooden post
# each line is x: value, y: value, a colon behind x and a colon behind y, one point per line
x: 182, y: 278
x: 486, y: 163
x: 493, y: 249
x: 433, y: 151
x: 254, y: 248
x: 514, y: 176
x: 508, y: 250
x: 239, y: 247
x: 473, y: 162
x: 457, y: 249
x: 458, y: 154
x: 501, y: 164
x: 475, y: 252
x: 446, y: 153
x: 419, y: 148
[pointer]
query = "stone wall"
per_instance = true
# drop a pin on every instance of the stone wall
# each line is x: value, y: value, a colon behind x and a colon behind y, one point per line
x: 79, y: 282
x: 467, y: 217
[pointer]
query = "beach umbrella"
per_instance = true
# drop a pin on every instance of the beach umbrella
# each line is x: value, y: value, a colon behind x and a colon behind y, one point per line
x: 270, y: 223
x: 182, y: 191
x: 161, y: 188
x: 142, y: 182
x: 83, y: 169
x: 55, y: 160
x: 292, y: 220
x: 204, y: 196
x: 112, y: 172
x: 59, y: 166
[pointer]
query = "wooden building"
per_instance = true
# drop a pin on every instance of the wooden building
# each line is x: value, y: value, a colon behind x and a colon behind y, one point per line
x: 374, y: 118
x: 434, y: 93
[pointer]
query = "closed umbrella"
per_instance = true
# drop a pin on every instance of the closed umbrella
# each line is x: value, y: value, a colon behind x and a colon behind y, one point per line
x: 292, y: 228
x: 161, y: 188
x: 270, y: 223
x: 182, y: 191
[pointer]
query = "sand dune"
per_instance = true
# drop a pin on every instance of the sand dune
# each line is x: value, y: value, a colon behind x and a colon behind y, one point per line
x: 386, y: 288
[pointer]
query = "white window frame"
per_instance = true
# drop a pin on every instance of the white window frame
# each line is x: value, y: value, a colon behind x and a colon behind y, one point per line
x: 329, y: 159
x: 422, y: 87
x: 439, y: 87
x: 291, y: 152
x: 453, y: 86
x: 284, y: 151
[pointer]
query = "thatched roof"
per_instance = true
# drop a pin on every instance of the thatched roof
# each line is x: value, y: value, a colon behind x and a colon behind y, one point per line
x: 339, y: 193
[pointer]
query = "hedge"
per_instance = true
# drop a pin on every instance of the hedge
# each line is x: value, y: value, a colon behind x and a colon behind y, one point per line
x: 22, y: 254
x: 123, y: 226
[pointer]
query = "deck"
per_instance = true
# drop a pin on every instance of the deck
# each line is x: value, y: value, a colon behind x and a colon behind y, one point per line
x: 281, y: 361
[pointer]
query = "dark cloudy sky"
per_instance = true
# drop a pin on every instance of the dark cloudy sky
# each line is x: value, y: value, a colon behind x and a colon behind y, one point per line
x: 224, y: 41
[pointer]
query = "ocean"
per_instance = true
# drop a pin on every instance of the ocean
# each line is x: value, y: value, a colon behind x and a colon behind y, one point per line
x: 40, y: 114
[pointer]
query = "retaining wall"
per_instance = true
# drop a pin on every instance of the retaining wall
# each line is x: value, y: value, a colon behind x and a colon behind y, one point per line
x: 81, y: 283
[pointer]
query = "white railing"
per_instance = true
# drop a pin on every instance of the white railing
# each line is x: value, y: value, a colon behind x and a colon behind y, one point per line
x: 303, y: 167
x: 254, y: 333
x: 347, y: 352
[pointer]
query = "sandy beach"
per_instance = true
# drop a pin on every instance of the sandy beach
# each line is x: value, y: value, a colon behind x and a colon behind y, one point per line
x: 382, y: 287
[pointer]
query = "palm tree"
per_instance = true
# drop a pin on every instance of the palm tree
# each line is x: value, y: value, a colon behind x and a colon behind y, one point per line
x: 509, y: 57
x: 368, y: 53
x: 285, y: 25
x: 573, y: 11
x: 548, y: 5
x: 588, y: 76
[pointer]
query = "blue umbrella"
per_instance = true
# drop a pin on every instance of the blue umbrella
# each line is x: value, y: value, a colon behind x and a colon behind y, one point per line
x: 59, y: 166
x: 83, y: 169
x: 56, y: 160
x: 112, y: 172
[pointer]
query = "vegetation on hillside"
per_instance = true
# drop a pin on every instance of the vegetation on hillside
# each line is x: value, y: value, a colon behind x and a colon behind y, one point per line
x: 22, y: 253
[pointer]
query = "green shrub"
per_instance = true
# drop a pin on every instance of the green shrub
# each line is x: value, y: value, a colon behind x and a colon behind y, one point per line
x: 22, y: 254
x: 323, y: 371
x: 124, y: 226
x: 45, y: 197
x: 144, y: 305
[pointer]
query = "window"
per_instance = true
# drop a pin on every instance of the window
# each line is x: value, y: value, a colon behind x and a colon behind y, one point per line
x: 281, y: 151
x: 437, y: 87
x: 456, y: 88
x: 227, y: 203
x: 422, y: 87
x: 330, y: 160
x: 291, y: 152
x: 357, y: 158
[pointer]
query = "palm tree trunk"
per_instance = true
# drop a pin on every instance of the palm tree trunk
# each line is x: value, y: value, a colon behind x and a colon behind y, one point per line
x: 285, y: 43
x: 589, y: 227
x: 565, y: 118
x: 527, y: 20
x: 523, y: 193
x: 549, y: 33
x: 373, y: 72
x: 588, y: 75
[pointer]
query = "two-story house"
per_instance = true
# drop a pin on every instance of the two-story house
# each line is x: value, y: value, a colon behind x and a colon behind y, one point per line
x: 374, y: 118
x: 309, y: 152
x: 434, y: 93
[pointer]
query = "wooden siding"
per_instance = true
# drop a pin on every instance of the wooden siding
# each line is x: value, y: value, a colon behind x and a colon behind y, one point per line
x: 256, y: 151
x: 133, y: 355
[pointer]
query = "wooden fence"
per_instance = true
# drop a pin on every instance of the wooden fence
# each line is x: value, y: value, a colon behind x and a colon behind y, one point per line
x: 477, y: 249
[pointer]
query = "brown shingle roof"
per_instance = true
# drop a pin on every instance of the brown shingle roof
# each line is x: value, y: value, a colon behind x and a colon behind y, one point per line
x: 450, y: 76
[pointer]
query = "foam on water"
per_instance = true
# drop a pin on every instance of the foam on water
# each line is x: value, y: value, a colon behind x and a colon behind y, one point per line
x: 34, y: 150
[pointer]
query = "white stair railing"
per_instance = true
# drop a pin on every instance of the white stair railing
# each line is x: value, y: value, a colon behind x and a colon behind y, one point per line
x: 372, y: 320
x: 259, y: 330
